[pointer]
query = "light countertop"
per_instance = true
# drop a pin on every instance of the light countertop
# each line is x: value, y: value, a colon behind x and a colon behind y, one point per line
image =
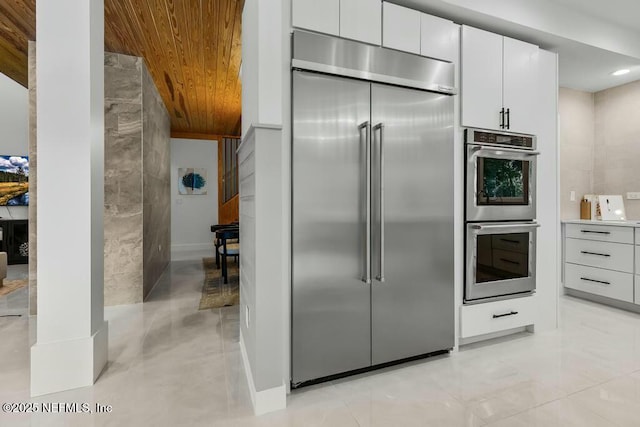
x: 598, y: 222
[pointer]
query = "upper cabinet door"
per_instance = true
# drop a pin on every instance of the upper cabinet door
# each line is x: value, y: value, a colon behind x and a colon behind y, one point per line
x: 520, y: 82
x: 360, y: 20
x: 322, y: 16
x: 481, y: 78
x: 400, y: 28
x: 438, y: 38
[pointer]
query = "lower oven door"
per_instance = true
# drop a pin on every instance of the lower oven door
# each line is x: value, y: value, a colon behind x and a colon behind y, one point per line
x: 501, y: 260
x: 501, y: 183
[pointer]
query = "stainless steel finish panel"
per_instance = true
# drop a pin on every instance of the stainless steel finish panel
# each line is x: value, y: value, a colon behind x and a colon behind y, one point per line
x: 474, y: 212
x: 470, y: 138
x: 498, y: 288
x: 413, y: 309
x: 342, y: 57
x: 330, y: 302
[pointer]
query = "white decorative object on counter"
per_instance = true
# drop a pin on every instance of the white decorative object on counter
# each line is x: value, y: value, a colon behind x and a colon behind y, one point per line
x: 612, y: 208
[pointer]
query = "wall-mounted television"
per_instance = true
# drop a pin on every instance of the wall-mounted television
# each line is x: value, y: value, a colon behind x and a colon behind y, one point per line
x: 14, y: 181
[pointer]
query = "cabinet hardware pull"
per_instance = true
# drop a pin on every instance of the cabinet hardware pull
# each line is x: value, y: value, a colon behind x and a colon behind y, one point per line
x: 508, y: 261
x: 595, y: 281
x: 508, y: 114
x: 367, y: 223
x: 595, y: 232
x: 502, y: 118
x: 512, y: 313
x: 594, y: 253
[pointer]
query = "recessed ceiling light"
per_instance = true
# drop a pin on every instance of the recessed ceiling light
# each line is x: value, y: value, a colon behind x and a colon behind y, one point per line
x: 620, y: 72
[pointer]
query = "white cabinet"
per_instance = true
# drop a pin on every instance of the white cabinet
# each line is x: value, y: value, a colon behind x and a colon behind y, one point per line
x: 520, y: 85
x: 438, y: 38
x: 361, y: 20
x: 611, y: 256
x: 481, y: 79
x: 489, y: 317
x: 499, y: 82
x: 321, y: 16
x: 401, y: 28
x: 602, y: 233
x: 416, y: 32
x: 598, y: 281
x: 601, y: 260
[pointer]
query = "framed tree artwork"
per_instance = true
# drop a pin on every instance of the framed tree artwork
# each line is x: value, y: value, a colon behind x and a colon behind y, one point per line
x: 192, y: 181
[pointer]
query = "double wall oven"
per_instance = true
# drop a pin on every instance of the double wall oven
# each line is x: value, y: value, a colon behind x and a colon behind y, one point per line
x: 500, y: 212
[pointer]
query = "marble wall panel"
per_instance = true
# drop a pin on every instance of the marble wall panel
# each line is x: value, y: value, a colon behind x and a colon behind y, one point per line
x: 577, y: 123
x: 123, y: 214
x: 617, y: 142
x: 156, y: 183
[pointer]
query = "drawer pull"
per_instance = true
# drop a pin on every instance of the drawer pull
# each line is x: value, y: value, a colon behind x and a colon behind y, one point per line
x: 508, y: 261
x: 513, y: 313
x: 595, y: 281
x: 596, y: 232
x: 594, y: 253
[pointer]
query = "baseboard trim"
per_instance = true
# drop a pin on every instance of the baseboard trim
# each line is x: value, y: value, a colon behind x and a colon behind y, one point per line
x: 67, y: 365
x: 270, y: 400
x: 192, y: 251
x: 494, y: 335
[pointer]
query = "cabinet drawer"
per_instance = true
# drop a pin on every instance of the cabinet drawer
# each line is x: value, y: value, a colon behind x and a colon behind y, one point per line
x: 604, y: 233
x: 612, y: 256
x: 496, y: 316
x: 598, y: 281
x: 637, y: 290
x: 637, y: 236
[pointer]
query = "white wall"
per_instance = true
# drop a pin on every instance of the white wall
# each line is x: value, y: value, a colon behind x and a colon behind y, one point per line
x: 14, y: 130
x: 192, y: 216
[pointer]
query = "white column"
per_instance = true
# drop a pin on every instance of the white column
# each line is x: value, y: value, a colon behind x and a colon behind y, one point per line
x: 264, y: 189
x: 71, y: 346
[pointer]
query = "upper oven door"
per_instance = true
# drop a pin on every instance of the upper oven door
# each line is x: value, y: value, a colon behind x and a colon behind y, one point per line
x: 501, y: 183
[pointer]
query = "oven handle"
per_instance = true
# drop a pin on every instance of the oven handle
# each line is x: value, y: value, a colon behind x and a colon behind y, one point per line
x: 503, y: 226
x: 525, y: 153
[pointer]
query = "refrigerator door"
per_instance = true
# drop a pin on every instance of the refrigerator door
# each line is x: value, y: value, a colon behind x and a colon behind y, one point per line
x: 413, y: 305
x: 331, y: 324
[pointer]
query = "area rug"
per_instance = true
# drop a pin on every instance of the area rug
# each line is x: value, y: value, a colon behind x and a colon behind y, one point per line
x: 14, y: 285
x: 215, y: 293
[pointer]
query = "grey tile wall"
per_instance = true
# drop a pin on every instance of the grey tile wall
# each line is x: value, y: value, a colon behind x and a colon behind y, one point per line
x: 156, y: 183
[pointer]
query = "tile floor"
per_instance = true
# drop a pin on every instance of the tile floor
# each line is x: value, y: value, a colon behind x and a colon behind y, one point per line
x: 172, y: 365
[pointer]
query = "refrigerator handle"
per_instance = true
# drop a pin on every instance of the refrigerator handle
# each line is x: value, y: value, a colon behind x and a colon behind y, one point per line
x: 380, y: 127
x: 367, y: 143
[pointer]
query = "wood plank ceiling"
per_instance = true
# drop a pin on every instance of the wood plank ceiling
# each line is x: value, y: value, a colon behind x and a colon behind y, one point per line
x: 191, y: 47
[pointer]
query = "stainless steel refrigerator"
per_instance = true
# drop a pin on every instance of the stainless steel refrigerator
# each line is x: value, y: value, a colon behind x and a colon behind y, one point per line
x: 372, y: 210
